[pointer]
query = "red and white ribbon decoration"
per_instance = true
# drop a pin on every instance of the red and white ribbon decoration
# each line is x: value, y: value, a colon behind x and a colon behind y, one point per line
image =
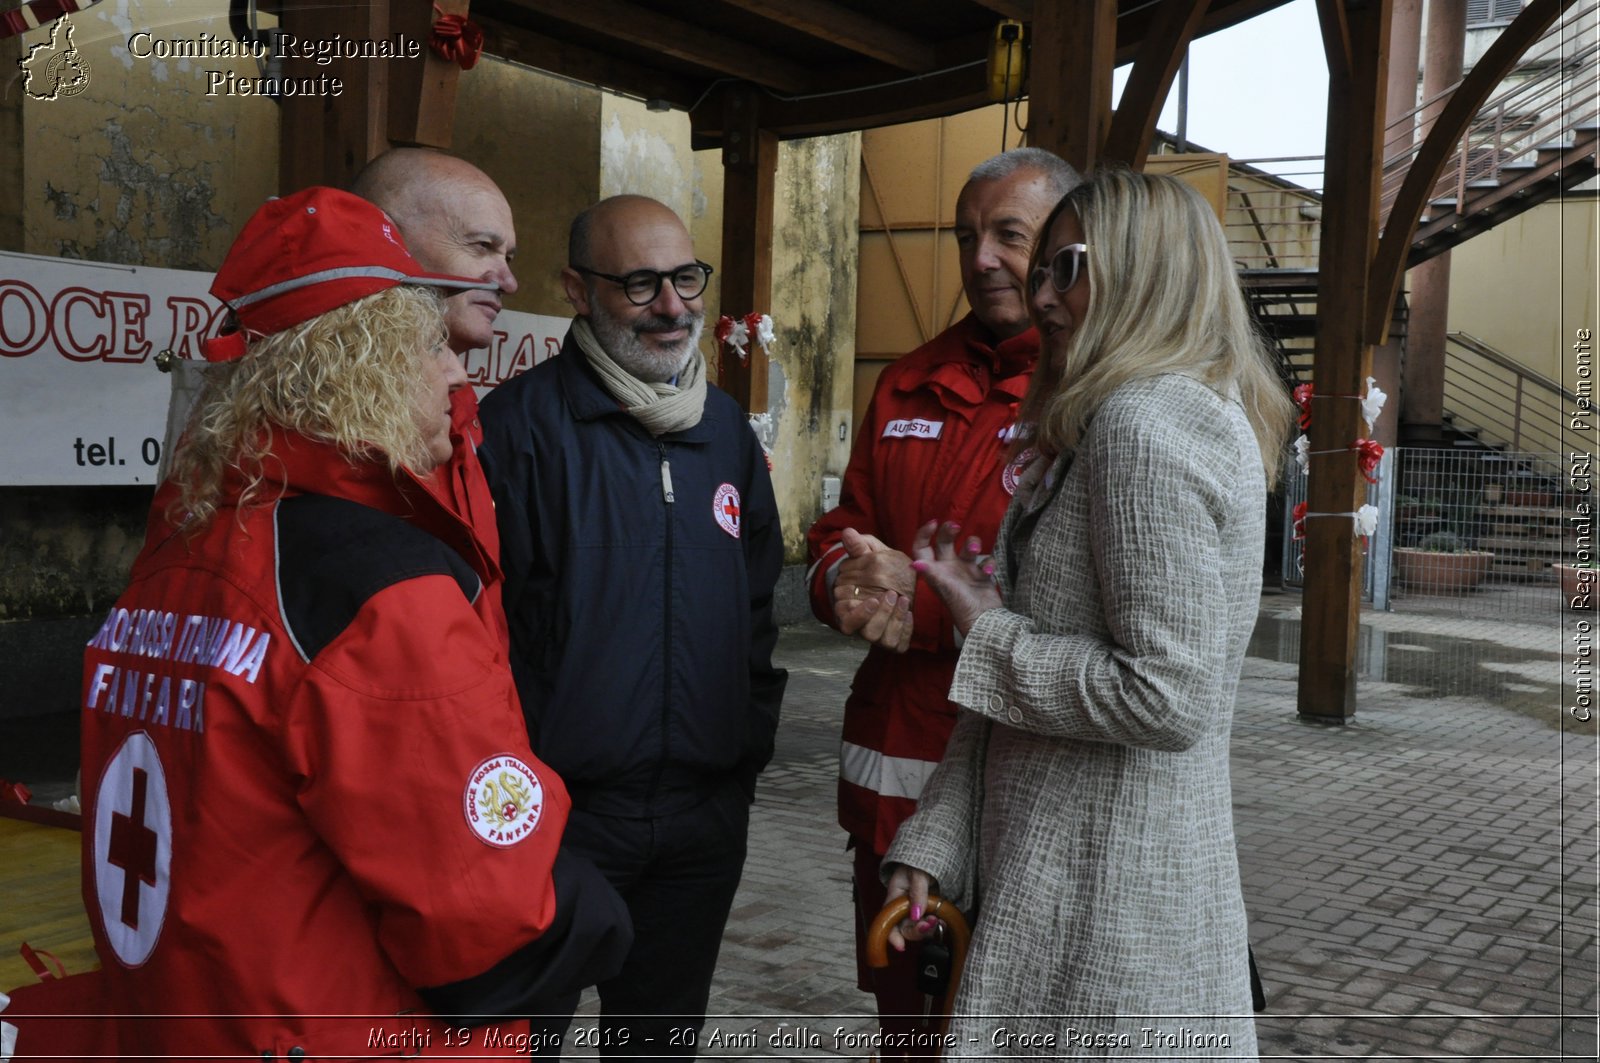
x: 456, y: 39
x: 737, y: 332
x: 1368, y: 453
x: 31, y: 16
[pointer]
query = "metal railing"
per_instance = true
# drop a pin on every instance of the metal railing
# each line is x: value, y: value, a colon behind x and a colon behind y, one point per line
x: 1504, y: 404
x: 1546, y: 103
x: 1478, y: 532
x: 1546, y: 100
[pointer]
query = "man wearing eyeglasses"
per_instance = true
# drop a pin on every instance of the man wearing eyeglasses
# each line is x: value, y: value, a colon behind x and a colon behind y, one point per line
x: 640, y: 540
x: 935, y: 443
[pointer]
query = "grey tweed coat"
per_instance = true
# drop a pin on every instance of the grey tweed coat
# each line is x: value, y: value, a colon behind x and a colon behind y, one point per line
x: 1083, y: 803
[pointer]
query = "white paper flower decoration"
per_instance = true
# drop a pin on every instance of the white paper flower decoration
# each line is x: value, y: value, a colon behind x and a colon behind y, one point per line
x: 1372, y: 405
x: 1367, y: 519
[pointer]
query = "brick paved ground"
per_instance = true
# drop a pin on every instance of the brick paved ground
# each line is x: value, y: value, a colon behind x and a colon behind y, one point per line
x: 1421, y: 882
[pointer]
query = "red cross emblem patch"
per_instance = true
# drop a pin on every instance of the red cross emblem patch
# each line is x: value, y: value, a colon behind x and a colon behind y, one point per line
x: 725, y: 507
x: 133, y: 849
x: 1012, y: 474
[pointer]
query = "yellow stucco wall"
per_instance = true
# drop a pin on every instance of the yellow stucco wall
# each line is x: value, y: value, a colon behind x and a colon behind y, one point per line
x: 1527, y: 286
x: 539, y: 138
x: 142, y: 166
x: 815, y: 262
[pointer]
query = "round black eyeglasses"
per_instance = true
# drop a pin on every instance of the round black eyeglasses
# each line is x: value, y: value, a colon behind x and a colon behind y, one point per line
x: 643, y: 285
x: 1062, y: 270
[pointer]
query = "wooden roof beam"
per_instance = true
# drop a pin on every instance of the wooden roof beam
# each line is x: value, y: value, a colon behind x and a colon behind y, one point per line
x: 1133, y: 127
x: 564, y: 59
x: 839, y: 25
x: 933, y: 96
x: 647, y: 29
x: 1022, y: 10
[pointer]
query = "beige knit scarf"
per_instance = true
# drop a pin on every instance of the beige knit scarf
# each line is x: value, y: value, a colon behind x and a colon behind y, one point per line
x: 660, y: 408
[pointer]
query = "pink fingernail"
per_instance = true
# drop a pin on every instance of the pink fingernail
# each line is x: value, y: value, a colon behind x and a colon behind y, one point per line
x: 899, y: 948
x: 919, y: 566
x: 988, y: 569
x: 916, y: 912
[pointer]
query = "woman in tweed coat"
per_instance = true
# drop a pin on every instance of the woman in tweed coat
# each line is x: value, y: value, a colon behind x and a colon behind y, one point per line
x: 1083, y: 805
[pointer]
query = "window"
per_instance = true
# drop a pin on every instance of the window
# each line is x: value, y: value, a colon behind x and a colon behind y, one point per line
x: 1491, y: 12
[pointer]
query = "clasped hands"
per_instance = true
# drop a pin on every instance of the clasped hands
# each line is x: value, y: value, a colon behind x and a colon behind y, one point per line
x: 874, y: 586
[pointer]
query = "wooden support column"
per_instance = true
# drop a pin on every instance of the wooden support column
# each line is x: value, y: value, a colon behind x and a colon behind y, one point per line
x: 12, y: 199
x: 1069, y: 79
x: 1422, y: 396
x: 750, y: 173
x: 422, y: 91
x: 325, y: 139
x: 1356, y: 37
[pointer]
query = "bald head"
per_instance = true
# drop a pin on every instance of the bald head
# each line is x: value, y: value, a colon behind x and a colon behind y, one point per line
x: 612, y: 219
x: 454, y: 220
x: 623, y: 235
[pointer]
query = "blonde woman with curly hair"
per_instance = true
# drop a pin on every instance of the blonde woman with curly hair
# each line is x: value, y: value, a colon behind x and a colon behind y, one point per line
x: 308, y: 795
x: 1083, y: 806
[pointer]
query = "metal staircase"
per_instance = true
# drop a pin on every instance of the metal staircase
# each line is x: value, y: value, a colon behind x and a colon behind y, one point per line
x: 1538, y: 136
x: 1535, y: 138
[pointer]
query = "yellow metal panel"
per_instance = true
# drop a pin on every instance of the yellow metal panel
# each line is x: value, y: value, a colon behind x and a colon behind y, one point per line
x: 867, y: 372
x: 1206, y: 172
x: 892, y: 318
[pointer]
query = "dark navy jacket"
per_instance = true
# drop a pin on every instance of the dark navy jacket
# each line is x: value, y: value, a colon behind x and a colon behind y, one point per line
x: 641, y: 627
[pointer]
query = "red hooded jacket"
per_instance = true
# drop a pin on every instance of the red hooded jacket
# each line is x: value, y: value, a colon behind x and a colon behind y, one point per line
x: 930, y: 447
x: 310, y: 809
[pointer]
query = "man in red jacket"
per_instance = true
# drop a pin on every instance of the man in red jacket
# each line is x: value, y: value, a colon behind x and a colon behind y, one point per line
x: 312, y: 822
x: 454, y: 219
x: 932, y: 445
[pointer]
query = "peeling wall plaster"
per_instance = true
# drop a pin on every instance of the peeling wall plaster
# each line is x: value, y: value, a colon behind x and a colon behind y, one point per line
x: 814, y: 269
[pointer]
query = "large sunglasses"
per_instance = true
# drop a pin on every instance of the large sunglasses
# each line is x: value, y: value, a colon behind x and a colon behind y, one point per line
x: 643, y: 285
x: 1062, y: 270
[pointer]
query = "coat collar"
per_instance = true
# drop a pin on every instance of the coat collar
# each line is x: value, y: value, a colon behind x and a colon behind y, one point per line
x: 302, y: 465
x: 588, y: 399
x: 967, y: 364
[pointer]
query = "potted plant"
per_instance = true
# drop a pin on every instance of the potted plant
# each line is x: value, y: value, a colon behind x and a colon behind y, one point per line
x: 1442, y: 563
x: 1579, y: 584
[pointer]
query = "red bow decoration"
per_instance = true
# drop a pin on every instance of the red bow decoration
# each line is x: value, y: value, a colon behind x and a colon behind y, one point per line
x: 1302, y: 399
x: 1300, y: 517
x: 456, y: 39
x: 1370, y: 452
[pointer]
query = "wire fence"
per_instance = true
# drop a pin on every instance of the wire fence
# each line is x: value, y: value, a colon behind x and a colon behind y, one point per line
x: 1468, y: 532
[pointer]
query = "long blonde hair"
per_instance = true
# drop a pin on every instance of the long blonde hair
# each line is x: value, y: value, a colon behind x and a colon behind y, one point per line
x: 1163, y: 298
x: 353, y: 376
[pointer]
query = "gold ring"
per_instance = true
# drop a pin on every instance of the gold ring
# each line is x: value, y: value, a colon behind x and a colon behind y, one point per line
x: 855, y: 592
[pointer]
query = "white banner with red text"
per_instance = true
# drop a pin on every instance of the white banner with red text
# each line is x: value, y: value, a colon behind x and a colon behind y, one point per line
x: 81, y: 399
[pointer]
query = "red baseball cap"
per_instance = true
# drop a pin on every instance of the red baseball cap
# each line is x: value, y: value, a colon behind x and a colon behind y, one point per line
x: 305, y: 254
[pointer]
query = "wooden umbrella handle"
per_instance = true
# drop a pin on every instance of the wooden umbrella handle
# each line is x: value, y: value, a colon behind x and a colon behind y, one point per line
x: 955, y: 923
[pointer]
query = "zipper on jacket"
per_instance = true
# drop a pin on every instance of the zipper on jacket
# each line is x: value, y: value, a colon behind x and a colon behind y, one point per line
x: 666, y: 476
x: 666, y: 625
